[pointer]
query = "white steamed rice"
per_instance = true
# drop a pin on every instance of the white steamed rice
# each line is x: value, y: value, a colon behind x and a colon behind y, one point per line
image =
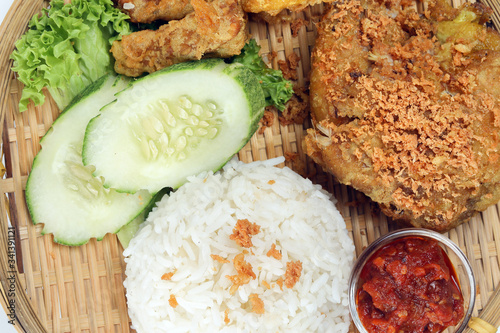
x: 190, y: 225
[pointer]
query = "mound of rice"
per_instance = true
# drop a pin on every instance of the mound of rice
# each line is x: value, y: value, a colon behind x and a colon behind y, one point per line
x: 181, y: 266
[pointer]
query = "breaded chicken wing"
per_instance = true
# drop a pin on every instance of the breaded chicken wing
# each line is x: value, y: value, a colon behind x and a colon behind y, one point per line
x: 406, y: 108
x: 218, y: 28
x: 274, y: 7
x: 147, y: 11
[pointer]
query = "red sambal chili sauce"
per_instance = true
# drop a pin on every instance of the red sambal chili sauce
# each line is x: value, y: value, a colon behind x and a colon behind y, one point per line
x: 409, y: 285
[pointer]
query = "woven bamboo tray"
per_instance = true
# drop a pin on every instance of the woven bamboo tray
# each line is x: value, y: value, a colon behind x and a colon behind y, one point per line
x: 54, y: 288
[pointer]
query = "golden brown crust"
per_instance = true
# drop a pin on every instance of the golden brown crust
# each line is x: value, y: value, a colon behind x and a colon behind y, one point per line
x: 147, y: 11
x: 274, y: 7
x: 403, y: 110
x: 218, y: 28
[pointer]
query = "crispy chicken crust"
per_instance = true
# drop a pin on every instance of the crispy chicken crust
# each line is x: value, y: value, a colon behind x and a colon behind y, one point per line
x: 147, y: 11
x: 215, y: 29
x: 406, y: 108
x: 274, y: 7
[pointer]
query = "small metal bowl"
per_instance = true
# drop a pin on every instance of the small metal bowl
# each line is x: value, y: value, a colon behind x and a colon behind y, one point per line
x: 457, y: 258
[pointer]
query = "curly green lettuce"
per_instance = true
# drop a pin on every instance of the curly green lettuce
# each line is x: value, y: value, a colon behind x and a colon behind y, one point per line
x: 66, y: 48
x: 276, y: 88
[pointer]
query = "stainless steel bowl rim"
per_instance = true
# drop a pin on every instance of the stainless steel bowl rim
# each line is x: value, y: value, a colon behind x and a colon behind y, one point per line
x: 370, y: 249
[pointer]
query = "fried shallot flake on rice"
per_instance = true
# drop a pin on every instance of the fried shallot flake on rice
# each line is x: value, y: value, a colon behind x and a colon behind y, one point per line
x: 293, y: 272
x: 243, y: 232
x: 274, y: 253
x: 257, y: 304
x: 244, y: 270
x: 168, y: 276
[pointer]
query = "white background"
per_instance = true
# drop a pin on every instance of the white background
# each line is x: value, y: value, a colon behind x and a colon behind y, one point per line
x: 4, y: 326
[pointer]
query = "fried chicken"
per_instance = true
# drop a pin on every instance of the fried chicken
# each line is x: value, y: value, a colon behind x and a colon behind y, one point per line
x: 406, y: 108
x: 147, y: 11
x: 215, y: 29
x: 274, y: 7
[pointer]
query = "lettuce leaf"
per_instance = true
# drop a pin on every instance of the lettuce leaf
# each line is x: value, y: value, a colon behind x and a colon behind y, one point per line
x: 66, y: 48
x: 276, y: 88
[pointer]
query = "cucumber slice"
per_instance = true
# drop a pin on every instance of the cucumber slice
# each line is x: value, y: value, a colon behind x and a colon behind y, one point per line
x: 61, y: 192
x: 180, y: 121
x: 127, y: 232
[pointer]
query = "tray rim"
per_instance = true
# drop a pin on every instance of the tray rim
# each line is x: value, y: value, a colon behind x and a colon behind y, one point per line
x: 27, y: 319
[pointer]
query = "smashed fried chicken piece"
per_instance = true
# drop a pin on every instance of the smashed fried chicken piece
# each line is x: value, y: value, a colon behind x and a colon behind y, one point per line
x: 147, y: 11
x: 274, y: 7
x: 214, y: 29
x: 244, y: 270
x: 257, y: 304
x: 405, y: 108
x: 293, y: 273
x: 243, y: 232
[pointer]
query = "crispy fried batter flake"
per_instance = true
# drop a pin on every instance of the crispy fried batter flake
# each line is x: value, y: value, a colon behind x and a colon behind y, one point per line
x: 298, y: 164
x: 257, y: 304
x: 244, y: 270
x: 267, y: 120
x: 289, y: 67
x: 274, y: 253
x: 293, y: 273
x: 296, y: 24
x: 296, y: 109
x: 243, y: 232
x: 291, y: 156
x: 173, y: 301
x: 226, y: 316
